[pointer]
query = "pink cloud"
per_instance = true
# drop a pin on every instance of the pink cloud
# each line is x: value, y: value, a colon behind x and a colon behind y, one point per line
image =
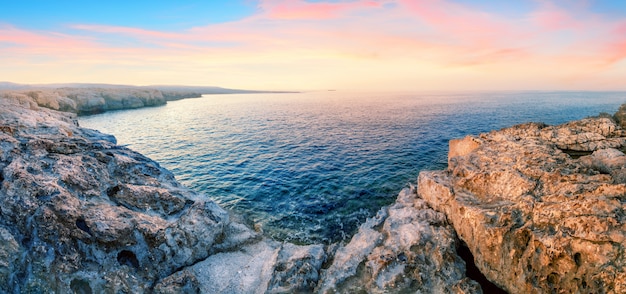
x: 459, y: 21
x: 125, y: 31
x: 620, y: 28
x: 552, y: 17
x: 297, y: 9
x: 49, y: 40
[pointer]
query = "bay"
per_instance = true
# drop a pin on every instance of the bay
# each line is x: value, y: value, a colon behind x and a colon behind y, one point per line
x: 310, y: 167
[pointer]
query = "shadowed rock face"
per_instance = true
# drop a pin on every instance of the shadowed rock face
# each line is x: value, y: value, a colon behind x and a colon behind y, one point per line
x: 536, y: 219
x: 80, y: 214
x: 57, y: 206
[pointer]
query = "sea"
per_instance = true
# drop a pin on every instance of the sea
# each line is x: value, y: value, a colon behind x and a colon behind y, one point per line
x: 311, y: 167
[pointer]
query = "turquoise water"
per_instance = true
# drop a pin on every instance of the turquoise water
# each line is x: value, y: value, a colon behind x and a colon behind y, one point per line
x: 310, y: 167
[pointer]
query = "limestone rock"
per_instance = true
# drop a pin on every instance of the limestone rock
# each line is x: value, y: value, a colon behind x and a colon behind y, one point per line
x: 99, y: 216
x: 536, y: 219
x: 406, y: 248
x: 10, y: 251
x: 585, y: 135
x: 608, y: 161
x: 461, y: 147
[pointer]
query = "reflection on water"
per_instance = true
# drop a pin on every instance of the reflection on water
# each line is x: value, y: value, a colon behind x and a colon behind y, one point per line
x: 310, y: 167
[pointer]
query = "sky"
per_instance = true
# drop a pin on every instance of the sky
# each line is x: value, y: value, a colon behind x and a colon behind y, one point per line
x: 373, y: 45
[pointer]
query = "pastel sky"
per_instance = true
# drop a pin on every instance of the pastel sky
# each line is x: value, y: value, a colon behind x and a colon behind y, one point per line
x: 408, y: 45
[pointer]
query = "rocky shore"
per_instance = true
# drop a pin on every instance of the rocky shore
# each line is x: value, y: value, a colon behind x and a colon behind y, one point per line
x: 541, y: 208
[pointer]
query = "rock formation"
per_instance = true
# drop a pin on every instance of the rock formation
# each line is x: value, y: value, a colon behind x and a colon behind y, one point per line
x: 80, y: 214
x: 407, y: 248
x: 97, y: 100
x: 542, y: 208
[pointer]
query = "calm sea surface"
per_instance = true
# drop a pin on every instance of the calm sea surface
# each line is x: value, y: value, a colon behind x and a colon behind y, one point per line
x: 310, y: 167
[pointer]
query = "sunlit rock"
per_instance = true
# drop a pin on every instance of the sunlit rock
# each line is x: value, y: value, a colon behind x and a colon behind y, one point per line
x: 537, y: 219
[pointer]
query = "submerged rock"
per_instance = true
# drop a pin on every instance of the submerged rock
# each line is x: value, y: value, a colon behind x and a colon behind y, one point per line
x: 537, y: 219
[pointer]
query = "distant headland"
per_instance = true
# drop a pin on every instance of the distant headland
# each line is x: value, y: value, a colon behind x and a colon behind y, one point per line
x: 93, y: 98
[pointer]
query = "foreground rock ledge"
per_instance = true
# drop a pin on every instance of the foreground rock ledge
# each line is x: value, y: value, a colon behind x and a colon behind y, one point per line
x: 80, y: 214
x: 537, y: 217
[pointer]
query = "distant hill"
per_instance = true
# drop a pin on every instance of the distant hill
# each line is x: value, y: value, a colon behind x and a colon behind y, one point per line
x: 166, y: 88
x: 13, y: 86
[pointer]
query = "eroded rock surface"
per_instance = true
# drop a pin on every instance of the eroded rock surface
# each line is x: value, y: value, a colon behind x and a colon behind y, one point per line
x: 537, y: 219
x: 79, y: 213
x: 407, y: 248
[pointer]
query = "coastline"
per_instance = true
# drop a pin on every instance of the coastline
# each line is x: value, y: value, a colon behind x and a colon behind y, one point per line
x: 90, y: 99
x: 79, y: 203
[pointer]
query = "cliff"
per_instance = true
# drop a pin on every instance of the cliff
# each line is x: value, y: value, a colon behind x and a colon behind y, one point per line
x: 541, y: 208
x: 97, y: 100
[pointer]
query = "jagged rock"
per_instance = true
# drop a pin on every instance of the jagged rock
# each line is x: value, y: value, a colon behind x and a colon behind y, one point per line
x: 536, y: 219
x: 76, y: 203
x: 406, y: 248
x: 462, y: 147
x: 608, y: 161
x: 9, y: 253
x: 181, y: 282
x: 585, y: 135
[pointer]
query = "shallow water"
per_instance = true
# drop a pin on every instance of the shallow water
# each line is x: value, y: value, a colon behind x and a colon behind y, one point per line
x: 309, y: 167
